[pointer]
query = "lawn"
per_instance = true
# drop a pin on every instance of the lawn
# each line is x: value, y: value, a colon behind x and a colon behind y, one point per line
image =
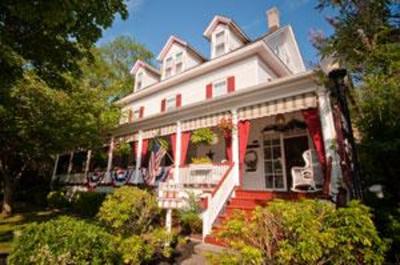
x: 11, y: 225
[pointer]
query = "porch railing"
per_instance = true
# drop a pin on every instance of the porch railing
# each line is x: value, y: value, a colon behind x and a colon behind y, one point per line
x: 201, y: 175
x: 218, y: 198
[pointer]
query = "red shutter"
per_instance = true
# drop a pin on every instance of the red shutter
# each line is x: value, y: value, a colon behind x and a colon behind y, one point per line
x: 130, y: 116
x: 209, y: 91
x: 163, y: 105
x: 141, y: 112
x: 231, y: 84
x: 178, y: 100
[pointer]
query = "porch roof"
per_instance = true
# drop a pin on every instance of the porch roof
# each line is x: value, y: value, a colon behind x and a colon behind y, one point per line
x: 281, y: 96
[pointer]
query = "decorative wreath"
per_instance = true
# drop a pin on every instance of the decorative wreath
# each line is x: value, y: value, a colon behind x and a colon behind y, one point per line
x: 251, y: 159
x: 120, y: 177
x: 95, y: 178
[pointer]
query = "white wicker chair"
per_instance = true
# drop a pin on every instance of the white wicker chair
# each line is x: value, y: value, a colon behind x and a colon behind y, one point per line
x: 303, y: 178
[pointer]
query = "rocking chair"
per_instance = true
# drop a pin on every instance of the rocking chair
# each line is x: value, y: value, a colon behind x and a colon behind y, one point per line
x: 304, y: 177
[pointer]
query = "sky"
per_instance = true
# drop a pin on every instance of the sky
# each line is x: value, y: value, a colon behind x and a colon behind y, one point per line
x: 151, y: 22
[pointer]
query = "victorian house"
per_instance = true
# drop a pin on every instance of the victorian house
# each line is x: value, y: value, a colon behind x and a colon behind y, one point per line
x: 272, y: 124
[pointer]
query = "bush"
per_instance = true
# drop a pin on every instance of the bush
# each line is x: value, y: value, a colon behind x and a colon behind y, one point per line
x: 87, y: 204
x: 134, y: 250
x: 64, y: 240
x: 189, y: 218
x: 58, y: 200
x: 161, y: 242
x: 308, y: 232
x: 128, y: 211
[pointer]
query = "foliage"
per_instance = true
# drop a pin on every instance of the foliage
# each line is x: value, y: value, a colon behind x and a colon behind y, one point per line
x: 243, y: 254
x: 134, y: 250
x: 129, y: 210
x: 189, y: 216
x: 225, y: 125
x: 366, y: 40
x: 201, y: 160
x: 203, y: 136
x: 64, y: 240
x: 319, y: 235
x: 57, y: 199
x: 161, y: 242
x: 123, y: 149
x: 87, y: 204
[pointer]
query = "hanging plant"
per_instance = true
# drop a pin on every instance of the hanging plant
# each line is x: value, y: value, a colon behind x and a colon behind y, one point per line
x: 203, y: 136
x: 225, y: 125
x: 123, y: 149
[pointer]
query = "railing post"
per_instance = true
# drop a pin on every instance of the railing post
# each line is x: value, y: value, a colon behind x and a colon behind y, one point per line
x: 53, y: 176
x: 235, y: 146
x: 177, y: 151
x: 71, y: 158
x: 87, y: 165
x: 206, y: 217
x: 168, y: 220
x: 139, y: 155
x: 329, y: 137
x: 110, y: 155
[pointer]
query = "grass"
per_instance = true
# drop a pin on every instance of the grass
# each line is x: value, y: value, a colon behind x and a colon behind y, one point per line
x: 24, y: 216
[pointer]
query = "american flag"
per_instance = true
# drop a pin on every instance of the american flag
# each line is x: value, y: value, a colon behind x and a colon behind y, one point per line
x: 157, y: 154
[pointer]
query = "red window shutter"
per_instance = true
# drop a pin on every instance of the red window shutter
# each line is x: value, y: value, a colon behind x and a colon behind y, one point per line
x: 163, y: 105
x: 141, y: 112
x: 130, y: 116
x: 209, y: 91
x: 231, y: 84
x: 178, y: 100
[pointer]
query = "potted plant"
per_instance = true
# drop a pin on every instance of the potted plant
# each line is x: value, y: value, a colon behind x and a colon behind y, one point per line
x: 202, y: 136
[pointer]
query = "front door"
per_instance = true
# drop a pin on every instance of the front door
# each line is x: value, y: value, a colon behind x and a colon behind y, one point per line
x: 294, y: 149
x: 274, y: 161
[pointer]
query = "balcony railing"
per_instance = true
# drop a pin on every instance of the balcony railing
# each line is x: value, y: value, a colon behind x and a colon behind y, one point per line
x: 201, y: 175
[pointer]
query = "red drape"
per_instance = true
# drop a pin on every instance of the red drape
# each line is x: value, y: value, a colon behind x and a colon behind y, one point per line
x: 145, y: 144
x: 311, y: 117
x: 185, y: 138
x: 228, y: 146
x: 244, y: 131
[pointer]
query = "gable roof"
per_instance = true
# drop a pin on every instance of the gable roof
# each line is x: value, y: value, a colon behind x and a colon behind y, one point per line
x: 174, y: 39
x: 141, y: 64
x: 227, y: 21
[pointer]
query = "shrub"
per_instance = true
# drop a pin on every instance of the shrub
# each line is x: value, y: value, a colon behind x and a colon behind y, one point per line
x: 87, y: 203
x: 134, y: 250
x: 308, y: 232
x: 58, y: 200
x: 128, y: 211
x: 189, y: 218
x: 64, y: 240
x: 161, y: 242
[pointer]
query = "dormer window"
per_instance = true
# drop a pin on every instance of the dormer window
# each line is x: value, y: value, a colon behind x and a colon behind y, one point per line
x: 139, y: 81
x: 168, y: 66
x: 220, y: 44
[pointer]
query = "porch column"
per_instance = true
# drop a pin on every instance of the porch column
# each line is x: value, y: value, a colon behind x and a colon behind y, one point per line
x: 138, y: 155
x: 329, y: 136
x: 178, y: 150
x: 87, y: 164
x: 110, y: 155
x: 53, y: 176
x: 235, y: 146
x: 71, y: 157
x: 168, y: 220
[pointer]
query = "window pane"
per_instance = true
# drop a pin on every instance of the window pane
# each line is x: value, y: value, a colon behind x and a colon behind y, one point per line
x: 220, y: 49
x: 179, y: 67
x: 168, y: 72
x: 171, y: 103
x: 178, y: 56
x: 168, y: 62
x: 220, y: 37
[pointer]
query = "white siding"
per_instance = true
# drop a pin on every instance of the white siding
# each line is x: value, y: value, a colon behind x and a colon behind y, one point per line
x: 147, y: 80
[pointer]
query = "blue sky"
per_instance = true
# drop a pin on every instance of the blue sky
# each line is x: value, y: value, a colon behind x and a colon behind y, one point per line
x: 151, y: 22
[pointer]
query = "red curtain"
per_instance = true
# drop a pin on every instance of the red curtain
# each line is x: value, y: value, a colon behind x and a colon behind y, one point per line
x: 244, y: 131
x: 145, y: 144
x: 228, y: 146
x: 311, y: 117
x: 185, y: 138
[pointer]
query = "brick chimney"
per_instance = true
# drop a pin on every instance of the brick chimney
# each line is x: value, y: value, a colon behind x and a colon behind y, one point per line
x: 273, y: 19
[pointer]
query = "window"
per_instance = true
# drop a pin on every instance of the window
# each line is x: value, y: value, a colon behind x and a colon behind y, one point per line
x: 136, y: 114
x: 139, y: 81
x: 220, y: 43
x: 168, y: 67
x: 274, y: 171
x: 179, y: 62
x: 171, y: 103
x: 219, y: 88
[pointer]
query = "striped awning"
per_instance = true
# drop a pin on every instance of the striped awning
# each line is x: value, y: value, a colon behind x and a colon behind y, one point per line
x: 283, y: 105
x: 204, y: 122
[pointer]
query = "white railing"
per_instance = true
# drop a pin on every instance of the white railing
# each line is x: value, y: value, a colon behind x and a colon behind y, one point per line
x: 218, y: 198
x: 202, y: 174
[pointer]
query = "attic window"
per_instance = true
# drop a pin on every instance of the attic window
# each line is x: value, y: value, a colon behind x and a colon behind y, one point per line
x: 178, y: 62
x: 139, y: 81
x: 168, y: 67
x: 220, y: 43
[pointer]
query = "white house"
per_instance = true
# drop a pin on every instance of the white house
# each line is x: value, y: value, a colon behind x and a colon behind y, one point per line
x: 278, y: 134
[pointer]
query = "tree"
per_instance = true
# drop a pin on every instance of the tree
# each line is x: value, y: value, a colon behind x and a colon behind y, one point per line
x: 366, y: 40
x: 44, y: 106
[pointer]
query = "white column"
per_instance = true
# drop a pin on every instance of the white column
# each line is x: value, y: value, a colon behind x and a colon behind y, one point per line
x: 138, y: 156
x: 178, y: 151
x: 87, y: 165
x: 53, y: 176
x: 110, y: 155
x: 235, y: 146
x: 168, y: 220
x: 71, y: 157
x: 329, y: 135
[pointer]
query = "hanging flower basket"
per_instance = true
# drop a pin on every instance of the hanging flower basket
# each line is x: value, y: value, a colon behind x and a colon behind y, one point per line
x: 226, y: 126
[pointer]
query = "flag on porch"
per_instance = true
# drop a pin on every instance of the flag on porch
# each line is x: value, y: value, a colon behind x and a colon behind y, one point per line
x: 157, y: 154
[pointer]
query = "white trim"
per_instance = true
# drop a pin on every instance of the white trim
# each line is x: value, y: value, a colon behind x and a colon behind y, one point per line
x: 235, y: 146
